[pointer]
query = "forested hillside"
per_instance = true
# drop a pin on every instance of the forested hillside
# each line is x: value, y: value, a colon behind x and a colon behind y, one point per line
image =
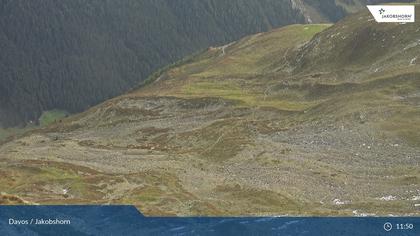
x: 70, y: 55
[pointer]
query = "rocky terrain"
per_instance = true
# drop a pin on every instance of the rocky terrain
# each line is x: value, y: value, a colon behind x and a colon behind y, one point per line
x: 302, y: 120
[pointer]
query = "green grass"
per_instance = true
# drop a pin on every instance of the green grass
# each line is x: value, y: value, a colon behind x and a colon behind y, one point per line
x: 226, y: 73
x: 240, y: 72
x: 256, y: 54
x: 232, y: 90
x: 52, y: 116
x: 39, y: 176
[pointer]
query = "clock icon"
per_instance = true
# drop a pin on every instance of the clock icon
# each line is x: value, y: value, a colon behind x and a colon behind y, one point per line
x: 387, y: 226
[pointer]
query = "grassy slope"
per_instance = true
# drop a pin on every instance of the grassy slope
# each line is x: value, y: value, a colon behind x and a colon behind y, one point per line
x: 373, y: 67
x: 353, y: 67
x: 205, y: 74
x: 351, y: 72
x: 278, y: 70
x: 241, y: 71
x: 49, y: 117
x: 254, y: 73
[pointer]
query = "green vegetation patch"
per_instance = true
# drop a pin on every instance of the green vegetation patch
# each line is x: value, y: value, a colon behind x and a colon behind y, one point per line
x: 264, y: 202
x: 246, y: 94
x: 256, y: 54
x: 51, y: 182
x: 52, y: 116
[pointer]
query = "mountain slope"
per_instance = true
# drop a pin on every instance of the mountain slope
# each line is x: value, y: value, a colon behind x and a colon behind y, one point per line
x: 72, y: 55
x: 277, y: 123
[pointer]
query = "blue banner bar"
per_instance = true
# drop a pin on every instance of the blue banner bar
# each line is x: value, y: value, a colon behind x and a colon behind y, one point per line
x: 127, y: 220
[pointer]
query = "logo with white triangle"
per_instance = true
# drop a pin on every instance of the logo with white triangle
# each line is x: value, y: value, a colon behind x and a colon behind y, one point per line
x: 393, y: 13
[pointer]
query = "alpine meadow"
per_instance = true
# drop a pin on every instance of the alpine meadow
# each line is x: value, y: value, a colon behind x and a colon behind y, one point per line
x: 269, y: 116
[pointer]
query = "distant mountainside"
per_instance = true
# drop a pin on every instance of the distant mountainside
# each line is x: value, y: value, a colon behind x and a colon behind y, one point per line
x: 70, y: 55
x: 315, y: 119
